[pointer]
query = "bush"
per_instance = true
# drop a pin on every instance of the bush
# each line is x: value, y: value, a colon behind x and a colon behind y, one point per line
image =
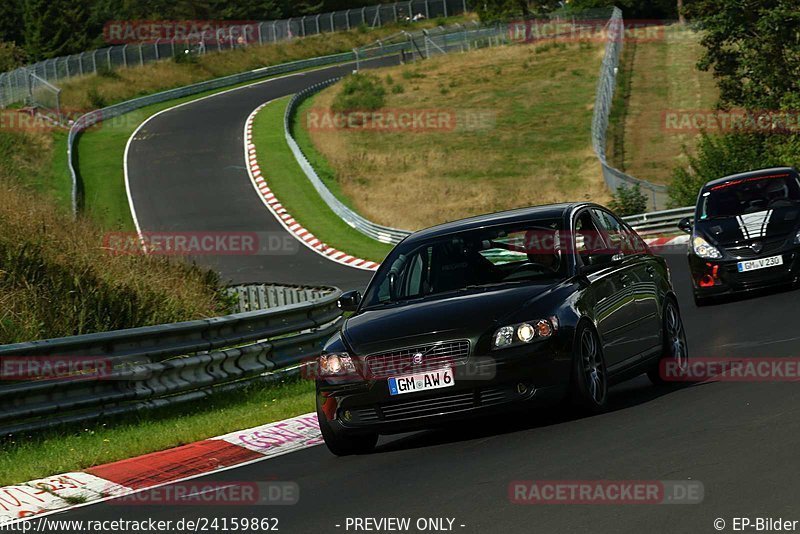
x: 628, y: 201
x: 360, y: 92
x: 723, y: 155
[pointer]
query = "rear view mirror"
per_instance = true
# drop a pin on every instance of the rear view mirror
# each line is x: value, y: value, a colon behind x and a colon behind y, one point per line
x: 685, y: 225
x: 349, y: 301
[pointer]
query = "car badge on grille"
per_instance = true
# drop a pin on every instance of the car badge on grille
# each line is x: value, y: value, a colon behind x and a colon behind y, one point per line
x: 417, y: 359
x: 756, y: 247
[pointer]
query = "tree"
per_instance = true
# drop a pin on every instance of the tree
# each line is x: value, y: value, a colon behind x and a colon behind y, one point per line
x: 11, y: 21
x: 505, y: 10
x: 55, y: 27
x: 753, y: 49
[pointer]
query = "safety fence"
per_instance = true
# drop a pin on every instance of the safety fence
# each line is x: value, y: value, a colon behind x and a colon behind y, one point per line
x: 15, y: 86
x: 614, y: 178
x: 83, y: 378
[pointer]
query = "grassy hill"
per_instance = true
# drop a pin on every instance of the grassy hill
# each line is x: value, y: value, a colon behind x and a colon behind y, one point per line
x: 522, y: 117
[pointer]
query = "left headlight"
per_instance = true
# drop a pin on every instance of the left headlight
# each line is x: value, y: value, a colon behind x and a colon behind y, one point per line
x: 336, y: 364
x: 526, y: 332
x: 704, y: 249
x: 797, y: 238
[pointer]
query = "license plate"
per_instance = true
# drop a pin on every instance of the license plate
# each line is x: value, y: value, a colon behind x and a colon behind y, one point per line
x: 763, y: 263
x: 441, y: 378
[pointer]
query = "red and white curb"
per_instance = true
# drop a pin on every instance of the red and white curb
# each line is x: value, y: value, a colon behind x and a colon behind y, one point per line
x: 669, y: 241
x: 283, y: 216
x: 72, y: 490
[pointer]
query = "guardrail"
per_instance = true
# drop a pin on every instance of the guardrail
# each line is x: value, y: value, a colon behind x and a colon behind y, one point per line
x: 150, y: 367
x: 441, y: 42
x: 384, y: 234
x: 659, y: 221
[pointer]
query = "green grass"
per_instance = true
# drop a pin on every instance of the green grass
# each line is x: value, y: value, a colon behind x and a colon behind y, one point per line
x: 295, y: 192
x: 656, y: 77
x: 29, y: 457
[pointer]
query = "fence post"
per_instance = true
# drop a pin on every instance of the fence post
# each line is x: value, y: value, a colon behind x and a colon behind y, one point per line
x: 427, y: 10
x: 260, y: 37
x: 274, y: 31
x: 108, y: 57
x: 333, y: 23
x: 364, y: 16
x: 303, y: 26
x: 80, y: 62
x: 317, y: 21
x: 347, y: 19
x: 444, y: 4
x: 141, y: 55
x: 124, y: 55
x: 358, y: 64
x: 155, y: 49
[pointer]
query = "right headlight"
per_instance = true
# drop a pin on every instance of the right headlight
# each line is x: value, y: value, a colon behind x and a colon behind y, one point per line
x: 797, y: 238
x: 704, y: 250
x: 524, y: 332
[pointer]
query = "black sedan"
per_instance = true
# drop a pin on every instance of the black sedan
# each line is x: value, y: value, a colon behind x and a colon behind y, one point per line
x: 746, y: 233
x: 493, y: 312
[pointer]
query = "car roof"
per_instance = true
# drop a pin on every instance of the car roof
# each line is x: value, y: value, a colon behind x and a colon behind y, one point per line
x: 749, y: 174
x: 519, y: 215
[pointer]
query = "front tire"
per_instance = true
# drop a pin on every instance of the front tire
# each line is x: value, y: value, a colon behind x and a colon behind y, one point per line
x: 674, y: 361
x: 345, y: 444
x: 589, y: 375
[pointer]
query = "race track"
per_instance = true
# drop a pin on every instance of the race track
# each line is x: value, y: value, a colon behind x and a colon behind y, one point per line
x: 739, y: 439
x: 186, y: 173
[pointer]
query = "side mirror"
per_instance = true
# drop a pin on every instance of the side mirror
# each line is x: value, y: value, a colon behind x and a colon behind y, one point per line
x: 685, y: 225
x: 349, y: 300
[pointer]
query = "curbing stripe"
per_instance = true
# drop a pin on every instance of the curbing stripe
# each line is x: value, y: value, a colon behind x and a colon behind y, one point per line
x: 269, y: 199
x: 98, y: 484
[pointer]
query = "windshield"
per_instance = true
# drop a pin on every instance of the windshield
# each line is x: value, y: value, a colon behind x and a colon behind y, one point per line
x: 750, y: 195
x: 473, y: 259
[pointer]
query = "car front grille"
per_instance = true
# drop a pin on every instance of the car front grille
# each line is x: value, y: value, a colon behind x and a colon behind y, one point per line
x: 768, y: 246
x: 435, y: 405
x: 431, y: 356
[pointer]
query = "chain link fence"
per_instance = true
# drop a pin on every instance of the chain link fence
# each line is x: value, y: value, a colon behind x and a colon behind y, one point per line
x: 14, y: 85
x: 614, y: 178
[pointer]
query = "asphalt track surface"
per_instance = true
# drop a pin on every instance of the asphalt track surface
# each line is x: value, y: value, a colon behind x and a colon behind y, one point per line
x: 741, y: 440
x: 186, y: 173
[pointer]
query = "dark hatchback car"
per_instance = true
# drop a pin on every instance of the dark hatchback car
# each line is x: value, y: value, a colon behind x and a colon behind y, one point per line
x: 746, y: 233
x: 497, y: 311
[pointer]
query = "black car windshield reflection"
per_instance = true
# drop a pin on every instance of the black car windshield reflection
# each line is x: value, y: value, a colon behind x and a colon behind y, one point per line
x: 749, y: 195
x: 480, y: 258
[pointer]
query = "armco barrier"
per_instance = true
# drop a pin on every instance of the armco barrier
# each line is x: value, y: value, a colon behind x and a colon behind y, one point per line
x: 156, y: 366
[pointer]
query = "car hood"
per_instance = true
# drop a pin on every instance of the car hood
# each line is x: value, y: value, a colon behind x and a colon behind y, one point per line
x: 764, y: 224
x: 463, y: 316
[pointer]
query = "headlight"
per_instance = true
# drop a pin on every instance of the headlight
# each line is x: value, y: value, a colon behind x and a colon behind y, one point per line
x: 797, y: 238
x: 523, y: 333
x: 704, y: 250
x: 336, y: 364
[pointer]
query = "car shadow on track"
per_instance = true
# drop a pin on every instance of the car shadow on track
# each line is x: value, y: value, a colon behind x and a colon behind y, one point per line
x: 627, y: 395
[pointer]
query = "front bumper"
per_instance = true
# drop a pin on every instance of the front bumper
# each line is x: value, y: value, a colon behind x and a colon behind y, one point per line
x: 728, y: 280
x: 506, y: 379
